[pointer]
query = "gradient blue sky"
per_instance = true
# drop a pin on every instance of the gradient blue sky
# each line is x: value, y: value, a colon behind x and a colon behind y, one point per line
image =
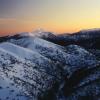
x: 52, y: 15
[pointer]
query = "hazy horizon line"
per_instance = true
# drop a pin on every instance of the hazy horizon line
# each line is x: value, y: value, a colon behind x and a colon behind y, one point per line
x: 56, y: 33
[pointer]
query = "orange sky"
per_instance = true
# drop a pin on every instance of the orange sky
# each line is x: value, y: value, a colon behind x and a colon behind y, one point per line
x: 59, y: 16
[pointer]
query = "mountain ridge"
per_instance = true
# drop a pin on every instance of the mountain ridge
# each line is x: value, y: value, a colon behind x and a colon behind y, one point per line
x: 40, y: 68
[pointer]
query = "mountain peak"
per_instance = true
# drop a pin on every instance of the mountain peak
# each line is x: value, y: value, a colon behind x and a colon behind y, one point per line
x: 39, y: 30
x: 42, y: 33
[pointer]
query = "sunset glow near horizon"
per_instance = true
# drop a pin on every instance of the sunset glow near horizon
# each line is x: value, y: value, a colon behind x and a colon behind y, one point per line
x: 58, y: 16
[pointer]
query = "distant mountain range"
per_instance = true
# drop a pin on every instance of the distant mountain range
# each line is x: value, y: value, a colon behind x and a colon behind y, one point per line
x: 86, y: 38
x: 43, y: 66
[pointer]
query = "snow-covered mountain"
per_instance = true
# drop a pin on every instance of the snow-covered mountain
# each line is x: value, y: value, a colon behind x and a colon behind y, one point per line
x: 22, y: 79
x: 45, y: 48
x: 38, y: 33
x: 25, y: 53
x: 33, y: 68
x: 43, y: 34
x: 74, y: 58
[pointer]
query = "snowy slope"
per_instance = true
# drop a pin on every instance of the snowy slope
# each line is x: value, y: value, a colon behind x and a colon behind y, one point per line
x: 50, y: 50
x: 72, y: 58
x: 23, y: 80
x: 24, y: 53
x: 12, y: 76
x: 32, y: 56
x: 45, y: 48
